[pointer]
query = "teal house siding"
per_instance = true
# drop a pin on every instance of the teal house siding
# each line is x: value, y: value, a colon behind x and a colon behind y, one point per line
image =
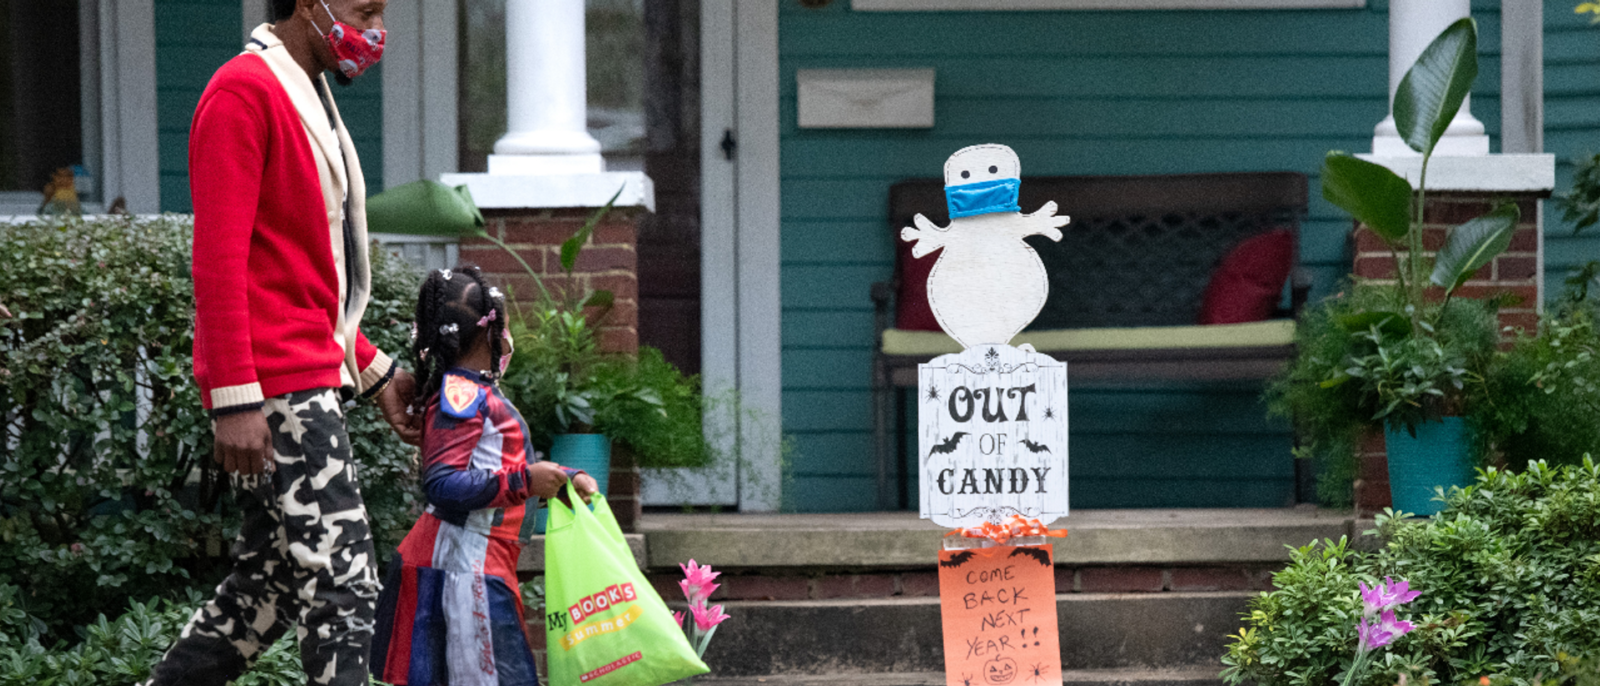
x: 1074, y: 93
x: 1571, y: 130
x: 193, y: 39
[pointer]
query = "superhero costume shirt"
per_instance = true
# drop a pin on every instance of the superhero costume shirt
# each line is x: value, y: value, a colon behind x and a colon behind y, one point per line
x: 450, y: 612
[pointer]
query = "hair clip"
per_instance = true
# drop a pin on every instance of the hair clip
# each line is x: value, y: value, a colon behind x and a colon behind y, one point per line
x: 445, y: 273
x: 448, y: 328
x: 486, y: 319
x: 496, y: 294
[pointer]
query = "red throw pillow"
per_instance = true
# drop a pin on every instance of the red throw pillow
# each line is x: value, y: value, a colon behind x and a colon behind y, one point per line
x: 1248, y: 284
x: 912, y: 311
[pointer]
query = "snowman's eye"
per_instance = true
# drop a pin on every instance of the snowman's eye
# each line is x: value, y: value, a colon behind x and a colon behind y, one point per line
x: 993, y: 169
x: 966, y: 175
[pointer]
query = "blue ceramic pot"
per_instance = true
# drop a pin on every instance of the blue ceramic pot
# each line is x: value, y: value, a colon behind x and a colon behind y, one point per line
x: 1438, y: 456
x: 588, y: 452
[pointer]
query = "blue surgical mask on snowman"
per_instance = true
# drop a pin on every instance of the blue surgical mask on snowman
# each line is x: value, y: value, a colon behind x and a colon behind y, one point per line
x: 983, y: 197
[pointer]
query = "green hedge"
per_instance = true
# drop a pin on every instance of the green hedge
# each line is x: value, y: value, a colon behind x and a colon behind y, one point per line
x: 1509, y: 575
x: 107, y: 489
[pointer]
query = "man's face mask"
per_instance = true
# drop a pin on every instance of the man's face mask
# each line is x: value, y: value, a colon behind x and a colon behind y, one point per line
x: 355, y: 49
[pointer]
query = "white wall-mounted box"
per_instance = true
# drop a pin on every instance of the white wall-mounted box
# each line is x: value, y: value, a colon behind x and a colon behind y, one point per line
x: 865, y: 98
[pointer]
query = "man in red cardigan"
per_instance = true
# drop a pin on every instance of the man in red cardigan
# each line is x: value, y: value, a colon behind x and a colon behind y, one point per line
x: 281, y: 280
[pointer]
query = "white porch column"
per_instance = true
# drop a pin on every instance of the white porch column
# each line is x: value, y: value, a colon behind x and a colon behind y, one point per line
x: 1413, y: 24
x: 546, y: 96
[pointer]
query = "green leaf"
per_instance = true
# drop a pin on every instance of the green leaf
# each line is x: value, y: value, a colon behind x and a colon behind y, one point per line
x: 570, y: 248
x: 601, y: 298
x: 1473, y: 245
x: 1434, y: 87
x: 1392, y: 324
x: 1370, y: 192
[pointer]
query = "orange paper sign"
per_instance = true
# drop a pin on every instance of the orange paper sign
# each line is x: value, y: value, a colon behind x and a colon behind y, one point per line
x: 999, y: 607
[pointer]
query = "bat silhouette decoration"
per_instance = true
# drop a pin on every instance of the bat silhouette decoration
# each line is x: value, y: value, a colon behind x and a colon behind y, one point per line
x: 948, y: 445
x: 956, y: 560
x: 1039, y: 555
x: 1035, y: 447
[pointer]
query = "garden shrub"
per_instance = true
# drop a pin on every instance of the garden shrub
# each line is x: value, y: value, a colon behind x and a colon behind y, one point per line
x: 1509, y: 575
x: 107, y: 488
x: 121, y: 652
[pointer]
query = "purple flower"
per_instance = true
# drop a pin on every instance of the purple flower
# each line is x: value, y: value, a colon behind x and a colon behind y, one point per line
x: 1386, y: 596
x: 1377, y: 634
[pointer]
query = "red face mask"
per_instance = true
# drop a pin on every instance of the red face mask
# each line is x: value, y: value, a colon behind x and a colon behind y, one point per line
x: 355, y: 49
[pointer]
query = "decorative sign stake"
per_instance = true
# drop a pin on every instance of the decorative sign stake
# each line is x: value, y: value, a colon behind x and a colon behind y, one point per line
x: 992, y: 428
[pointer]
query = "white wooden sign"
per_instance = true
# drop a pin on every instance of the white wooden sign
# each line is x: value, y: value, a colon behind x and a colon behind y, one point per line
x: 992, y: 436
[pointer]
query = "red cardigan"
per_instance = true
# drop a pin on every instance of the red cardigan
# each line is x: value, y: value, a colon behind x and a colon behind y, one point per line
x: 266, y: 284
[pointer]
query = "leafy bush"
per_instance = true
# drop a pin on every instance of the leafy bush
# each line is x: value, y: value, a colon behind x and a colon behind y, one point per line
x: 107, y: 487
x: 1540, y: 398
x: 1509, y: 575
x: 122, y: 652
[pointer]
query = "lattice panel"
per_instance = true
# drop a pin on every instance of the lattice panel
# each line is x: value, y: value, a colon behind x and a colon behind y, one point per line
x: 1137, y: 270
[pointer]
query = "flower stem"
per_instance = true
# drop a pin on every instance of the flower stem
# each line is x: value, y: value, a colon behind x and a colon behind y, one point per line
x: 1356, y: 666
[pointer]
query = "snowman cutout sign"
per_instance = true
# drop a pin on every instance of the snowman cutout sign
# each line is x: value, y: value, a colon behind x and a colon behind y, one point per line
x: 988, y: 284
x: 992, y: 419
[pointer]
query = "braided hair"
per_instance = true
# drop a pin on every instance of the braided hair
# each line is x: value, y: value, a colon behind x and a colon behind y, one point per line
x: 454, y: 308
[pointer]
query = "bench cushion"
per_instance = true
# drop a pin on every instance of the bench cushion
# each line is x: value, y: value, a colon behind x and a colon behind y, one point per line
x: 1248, y: 284
x: 1276, y: 332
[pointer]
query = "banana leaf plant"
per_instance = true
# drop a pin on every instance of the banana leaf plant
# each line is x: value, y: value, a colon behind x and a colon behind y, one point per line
x: 1399, y: 352
x: 1424, y: 105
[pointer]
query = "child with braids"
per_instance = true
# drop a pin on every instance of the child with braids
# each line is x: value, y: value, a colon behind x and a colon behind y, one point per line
x: 450, y: 612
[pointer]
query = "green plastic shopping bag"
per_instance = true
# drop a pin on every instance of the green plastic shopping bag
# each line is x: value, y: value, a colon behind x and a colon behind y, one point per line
x: 605, y: 624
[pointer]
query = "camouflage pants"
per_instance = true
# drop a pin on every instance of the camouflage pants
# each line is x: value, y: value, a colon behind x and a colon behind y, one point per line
x: 304, y: 557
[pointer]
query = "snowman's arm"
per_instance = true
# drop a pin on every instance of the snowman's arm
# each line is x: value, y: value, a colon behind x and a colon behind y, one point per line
x: 926, y: 237
x: 1045, y: 222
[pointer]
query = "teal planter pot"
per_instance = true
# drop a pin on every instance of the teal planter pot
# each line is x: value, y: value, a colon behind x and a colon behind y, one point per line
x: 1438, y: 456
x: 588, y: 452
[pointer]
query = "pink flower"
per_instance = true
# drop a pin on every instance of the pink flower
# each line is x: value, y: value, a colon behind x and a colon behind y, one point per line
x: 1382, y: 632
x: 1386, y: 596
x: 696, y: 584
x: 707, y: 618
x: 678, y: 617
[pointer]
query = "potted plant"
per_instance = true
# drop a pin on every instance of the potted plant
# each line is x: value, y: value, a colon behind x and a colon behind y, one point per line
x: 578, y: 399
x: 1400, y: 354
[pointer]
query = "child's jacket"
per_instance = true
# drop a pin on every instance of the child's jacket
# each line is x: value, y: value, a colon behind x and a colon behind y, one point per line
x: 450, y: 611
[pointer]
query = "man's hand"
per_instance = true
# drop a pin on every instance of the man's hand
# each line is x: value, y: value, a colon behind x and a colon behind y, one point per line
x: 243, y: 443
x: 545, y: 479
x: 393, y: 401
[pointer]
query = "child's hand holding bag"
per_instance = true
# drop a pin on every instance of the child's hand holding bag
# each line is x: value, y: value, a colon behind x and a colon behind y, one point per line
x: 605, y: 624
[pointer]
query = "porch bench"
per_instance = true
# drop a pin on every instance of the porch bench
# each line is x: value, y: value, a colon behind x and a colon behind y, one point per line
x: 1127, y: 281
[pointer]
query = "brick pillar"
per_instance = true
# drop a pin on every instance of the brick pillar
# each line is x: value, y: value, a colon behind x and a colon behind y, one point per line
x: 624, y: 497
x: 1372, y: 474
x: 608, y: 261
x: 1516, y: 271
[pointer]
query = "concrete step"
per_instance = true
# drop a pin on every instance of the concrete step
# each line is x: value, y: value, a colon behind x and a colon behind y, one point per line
x: 902, y: 540
x: 1183, y: 676
x: 904, y: 635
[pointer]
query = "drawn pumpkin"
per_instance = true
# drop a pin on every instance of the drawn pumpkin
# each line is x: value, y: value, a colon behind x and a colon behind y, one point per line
x: 1001, y: 670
